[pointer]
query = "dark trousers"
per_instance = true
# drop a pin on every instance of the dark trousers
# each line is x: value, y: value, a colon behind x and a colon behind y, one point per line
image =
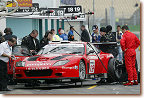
x: 3, y: 75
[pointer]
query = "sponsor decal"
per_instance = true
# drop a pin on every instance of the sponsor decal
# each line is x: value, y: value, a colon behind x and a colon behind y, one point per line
x: 110, y: 56
x: 92, y: 66
x: 64, y: 45
x: 17, y: 58
x: 39, y: 64
x: 75, y: 67
x: 21, y: 3
x: 38, y: 68
x: 93, y: 57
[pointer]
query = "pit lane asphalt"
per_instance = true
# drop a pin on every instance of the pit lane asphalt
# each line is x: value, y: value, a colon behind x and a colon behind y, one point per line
x: 89, y: 87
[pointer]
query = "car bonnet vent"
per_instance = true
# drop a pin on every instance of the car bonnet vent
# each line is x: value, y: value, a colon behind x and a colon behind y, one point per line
x: 32, y: 58
x: 60, y: 57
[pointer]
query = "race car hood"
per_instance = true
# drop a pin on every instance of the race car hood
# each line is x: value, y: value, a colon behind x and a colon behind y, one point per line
x: 47, y: 60
x: 47, y: 57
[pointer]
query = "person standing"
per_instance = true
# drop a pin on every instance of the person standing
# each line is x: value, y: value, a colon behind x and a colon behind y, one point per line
x: 63, y: 35
x: 8, y: 33
x: 129, y: 43
x: 1, y: 37
x: 103, y: 48
x: 31, y: 42
x: 84, y: 35
x: 55, y: 36
x: 95, y: 36
x: 71, y: 34
x: 5, y: 55
x: 48, y: 37
x: 111, y: 37
x: 119, y: 36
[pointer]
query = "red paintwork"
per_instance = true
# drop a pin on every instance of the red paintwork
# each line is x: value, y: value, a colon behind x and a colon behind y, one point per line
x: 10, y: 65
x: 68, y: 70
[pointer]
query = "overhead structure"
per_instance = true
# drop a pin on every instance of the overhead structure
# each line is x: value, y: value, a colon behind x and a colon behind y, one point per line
x: 4, y: 10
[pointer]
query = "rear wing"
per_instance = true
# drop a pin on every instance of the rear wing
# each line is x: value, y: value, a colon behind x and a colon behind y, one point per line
x: 105, y: 43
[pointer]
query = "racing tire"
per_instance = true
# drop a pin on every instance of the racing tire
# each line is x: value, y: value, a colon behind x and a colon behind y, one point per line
x: 32, y: 83
x: 115, y: 73
x: 11, y: 81
x: 82, y: 71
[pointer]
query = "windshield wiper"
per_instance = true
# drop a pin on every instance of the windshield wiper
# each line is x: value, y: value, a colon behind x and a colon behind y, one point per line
x: 75, y: 53
x: 55, y: 49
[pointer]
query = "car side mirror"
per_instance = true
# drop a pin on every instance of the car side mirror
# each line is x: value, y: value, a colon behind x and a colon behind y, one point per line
x: 91, y: 51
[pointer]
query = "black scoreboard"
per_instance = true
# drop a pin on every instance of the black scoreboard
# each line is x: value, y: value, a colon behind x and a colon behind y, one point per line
x: 72, y: 9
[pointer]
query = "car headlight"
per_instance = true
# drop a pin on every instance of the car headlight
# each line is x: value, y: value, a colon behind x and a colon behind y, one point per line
x: 20, y: 64
x: 60, y: 63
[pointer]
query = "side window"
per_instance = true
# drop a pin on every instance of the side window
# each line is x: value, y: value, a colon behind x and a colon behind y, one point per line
x: 96, y: 49
x: 89, y: 49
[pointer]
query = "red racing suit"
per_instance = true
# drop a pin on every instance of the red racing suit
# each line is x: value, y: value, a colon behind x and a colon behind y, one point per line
x: 129, y: 43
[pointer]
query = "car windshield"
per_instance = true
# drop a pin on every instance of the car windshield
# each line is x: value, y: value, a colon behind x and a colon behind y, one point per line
x: 63, y: 49
x: 20, y: 51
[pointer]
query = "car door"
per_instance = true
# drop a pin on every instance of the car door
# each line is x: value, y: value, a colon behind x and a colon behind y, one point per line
x: 94, y: 65
x: 92, y: 60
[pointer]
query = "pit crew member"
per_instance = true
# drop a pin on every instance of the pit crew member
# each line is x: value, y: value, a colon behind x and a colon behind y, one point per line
x: 129, y: 43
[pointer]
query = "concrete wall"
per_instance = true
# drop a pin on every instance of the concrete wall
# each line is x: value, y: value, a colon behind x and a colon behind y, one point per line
x: 22, y: 27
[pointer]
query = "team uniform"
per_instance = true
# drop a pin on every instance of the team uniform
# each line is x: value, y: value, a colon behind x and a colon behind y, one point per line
x: 31, y: 43
x: 64, y: 36
x: 103, y: 48
x: 120, y: 56
x: 111, y: 37
x: 129, y: 43
x: 4, y: 49
x: 71, y: 36
x: 85, y: 36
x: 95, y: 38
x: 56, y: 38
x: 44, y: 42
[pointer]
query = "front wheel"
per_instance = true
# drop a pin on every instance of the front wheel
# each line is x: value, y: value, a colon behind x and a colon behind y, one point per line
x: 82, y: 71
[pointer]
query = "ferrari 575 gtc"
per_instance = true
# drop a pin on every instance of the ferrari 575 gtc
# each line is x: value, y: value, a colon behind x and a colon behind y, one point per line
x: 71, y: 60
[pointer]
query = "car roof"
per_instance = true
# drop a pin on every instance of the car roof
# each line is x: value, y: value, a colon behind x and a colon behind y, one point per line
x: 64, y: 42
x: 67, y: 42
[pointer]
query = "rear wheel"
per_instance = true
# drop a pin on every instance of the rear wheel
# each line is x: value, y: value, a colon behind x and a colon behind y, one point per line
x: 115, y: 72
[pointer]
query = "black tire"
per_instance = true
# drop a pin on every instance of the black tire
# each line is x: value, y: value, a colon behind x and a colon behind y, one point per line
x: 32, y: 83
x: 82, y: 71
x: 11, y: 81
x: 115, y: 73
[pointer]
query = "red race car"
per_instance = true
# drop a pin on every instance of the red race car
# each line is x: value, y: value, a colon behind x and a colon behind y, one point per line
x: 66, y: 60
x: 19, y: 52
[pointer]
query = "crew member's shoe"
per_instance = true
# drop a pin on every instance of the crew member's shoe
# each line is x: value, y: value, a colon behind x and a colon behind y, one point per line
x: 130, y: 83
x: 102, y: 81
x: 135, y: 82
x: 5, y: 89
